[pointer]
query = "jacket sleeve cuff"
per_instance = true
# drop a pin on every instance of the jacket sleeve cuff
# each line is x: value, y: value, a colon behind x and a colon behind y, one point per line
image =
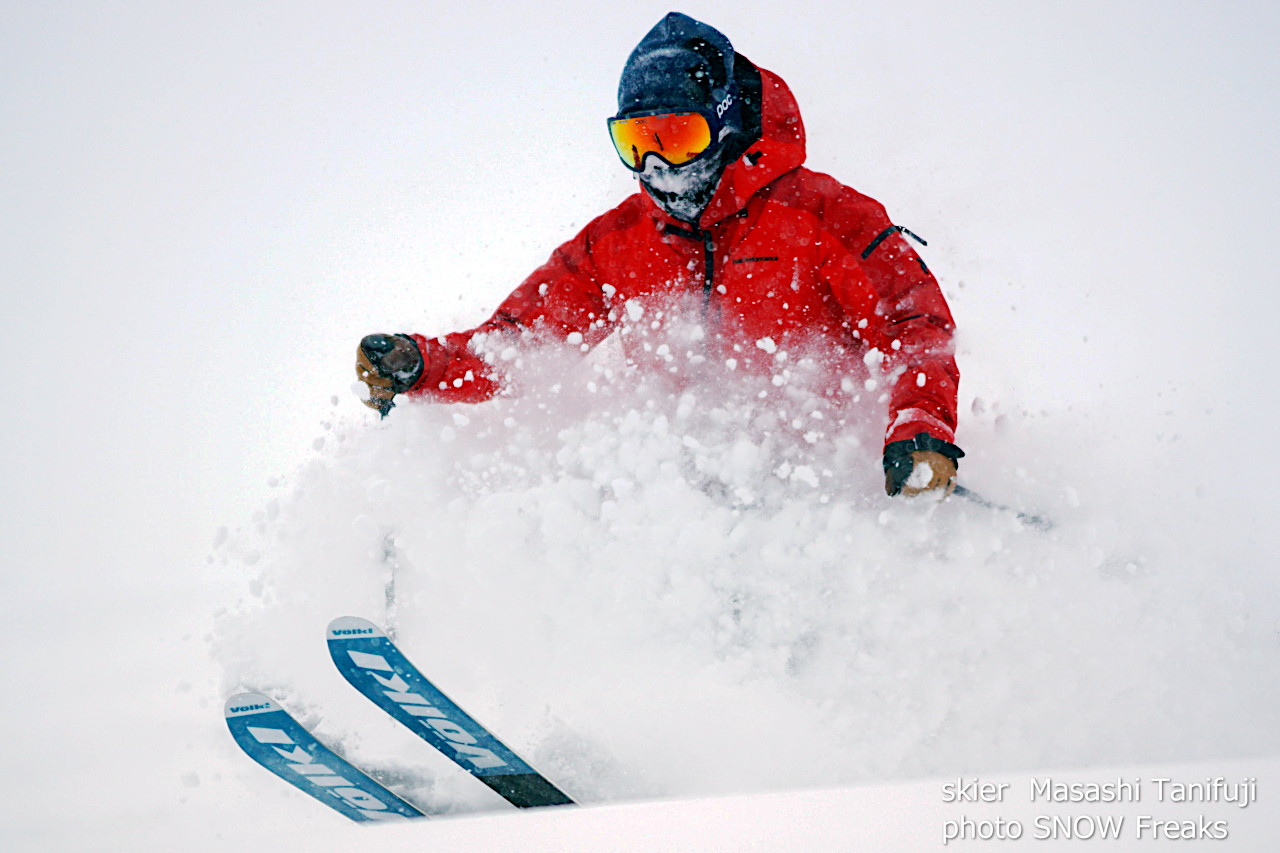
x: 908, y: 422
x: 433, y: 364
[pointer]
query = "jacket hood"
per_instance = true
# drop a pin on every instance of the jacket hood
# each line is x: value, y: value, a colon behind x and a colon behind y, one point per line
x: 779, y: 150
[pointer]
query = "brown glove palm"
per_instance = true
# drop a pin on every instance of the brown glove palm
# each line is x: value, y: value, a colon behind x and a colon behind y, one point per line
x: 389, y: 365
x: 920, y: 464
x: 930, y: 471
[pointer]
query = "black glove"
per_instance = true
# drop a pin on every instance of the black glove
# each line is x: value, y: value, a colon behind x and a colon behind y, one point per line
x: 389, y: 365
x: 902, y: 457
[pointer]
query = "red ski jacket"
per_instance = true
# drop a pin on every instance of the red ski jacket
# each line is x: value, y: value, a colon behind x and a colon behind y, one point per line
x: 783, y: 262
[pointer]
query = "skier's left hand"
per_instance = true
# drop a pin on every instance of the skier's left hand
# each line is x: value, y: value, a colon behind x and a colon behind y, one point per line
x: 921, y: 464
x: 930, y: 472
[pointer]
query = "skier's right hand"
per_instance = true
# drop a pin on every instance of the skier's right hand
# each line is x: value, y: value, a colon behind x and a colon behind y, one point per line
x: 389, y: 365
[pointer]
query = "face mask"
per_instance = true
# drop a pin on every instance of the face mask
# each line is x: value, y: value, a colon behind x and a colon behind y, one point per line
x: 683, y: 191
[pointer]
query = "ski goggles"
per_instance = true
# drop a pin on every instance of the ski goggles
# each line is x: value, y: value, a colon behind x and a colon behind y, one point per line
x: 677, y: 138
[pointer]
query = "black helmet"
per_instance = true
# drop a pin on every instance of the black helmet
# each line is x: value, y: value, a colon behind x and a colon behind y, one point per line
x: 682, y: 65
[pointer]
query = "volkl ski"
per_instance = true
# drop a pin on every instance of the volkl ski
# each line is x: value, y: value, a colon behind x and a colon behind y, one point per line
x: 274, y: 739
x: 373, y: 664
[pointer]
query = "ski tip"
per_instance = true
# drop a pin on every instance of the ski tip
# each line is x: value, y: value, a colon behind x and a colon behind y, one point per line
x: 244, y: 704
x: 352, y: 627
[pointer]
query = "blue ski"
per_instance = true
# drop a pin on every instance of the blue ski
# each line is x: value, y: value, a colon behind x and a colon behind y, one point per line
x: 371, y: 662
x: 281, y: 744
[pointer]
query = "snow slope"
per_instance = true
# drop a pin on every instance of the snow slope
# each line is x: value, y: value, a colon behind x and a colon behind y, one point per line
x: 638, y: 583
x: 905, y: 817
x: 652, y: 592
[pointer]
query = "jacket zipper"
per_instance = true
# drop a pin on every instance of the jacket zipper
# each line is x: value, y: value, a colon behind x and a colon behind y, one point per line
x: 708, y: 278
x: 708, y: 263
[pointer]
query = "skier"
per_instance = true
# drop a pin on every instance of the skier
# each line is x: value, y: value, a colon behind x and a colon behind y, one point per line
x: 771, y: 255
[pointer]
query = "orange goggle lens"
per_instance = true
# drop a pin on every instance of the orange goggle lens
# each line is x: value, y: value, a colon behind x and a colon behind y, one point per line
x: 675, y: 137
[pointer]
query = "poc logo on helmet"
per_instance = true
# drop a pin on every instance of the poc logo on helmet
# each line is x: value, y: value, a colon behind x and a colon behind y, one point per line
x: 724, y: 105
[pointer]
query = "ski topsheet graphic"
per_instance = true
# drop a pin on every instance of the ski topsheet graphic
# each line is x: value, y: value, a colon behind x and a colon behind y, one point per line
x: 377, y: 668
x: 274, y: 739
